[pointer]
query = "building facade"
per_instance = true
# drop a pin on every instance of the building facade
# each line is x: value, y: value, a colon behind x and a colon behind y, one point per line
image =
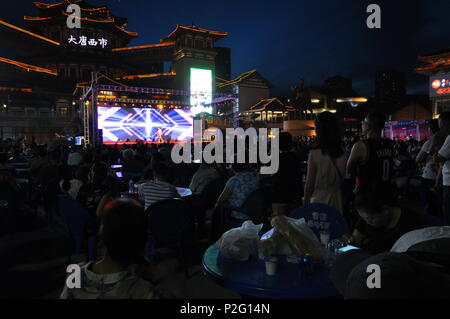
x: 437, y: 68
x: 55, y: 60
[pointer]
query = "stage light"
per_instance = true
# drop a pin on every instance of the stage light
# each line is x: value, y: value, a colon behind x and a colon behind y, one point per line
x: 4, y: 105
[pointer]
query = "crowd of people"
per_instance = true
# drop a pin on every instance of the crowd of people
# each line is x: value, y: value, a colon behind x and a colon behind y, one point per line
x: 368, y: 179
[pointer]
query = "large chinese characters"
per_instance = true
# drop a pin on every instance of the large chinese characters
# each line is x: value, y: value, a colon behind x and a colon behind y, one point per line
x: 84, y: 41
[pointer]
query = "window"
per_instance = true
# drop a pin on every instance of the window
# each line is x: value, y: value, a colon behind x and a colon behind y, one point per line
x: 189, y: 42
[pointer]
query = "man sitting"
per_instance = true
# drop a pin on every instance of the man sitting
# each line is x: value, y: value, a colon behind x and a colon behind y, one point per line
x: 159, y: 188
x: 202, y: 177
x: 382, y: 221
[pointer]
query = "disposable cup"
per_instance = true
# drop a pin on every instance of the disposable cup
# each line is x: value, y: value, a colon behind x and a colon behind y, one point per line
x: 271, y: 266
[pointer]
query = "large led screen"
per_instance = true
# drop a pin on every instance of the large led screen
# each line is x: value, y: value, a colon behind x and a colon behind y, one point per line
x: 143, y: 124
x: 201, y: 90
x: 440, y: 85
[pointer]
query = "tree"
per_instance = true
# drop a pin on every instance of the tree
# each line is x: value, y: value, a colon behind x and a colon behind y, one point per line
x: 301, y: 98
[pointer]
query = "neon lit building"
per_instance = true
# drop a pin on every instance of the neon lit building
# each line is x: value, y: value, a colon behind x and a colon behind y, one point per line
x: 438, y: 70
x: 56, y: 59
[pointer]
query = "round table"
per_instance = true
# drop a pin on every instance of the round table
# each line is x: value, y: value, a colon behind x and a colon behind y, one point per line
x: 249, y: 278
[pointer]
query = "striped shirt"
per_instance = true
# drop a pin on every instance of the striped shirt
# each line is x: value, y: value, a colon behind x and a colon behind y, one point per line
x: 155, y: 191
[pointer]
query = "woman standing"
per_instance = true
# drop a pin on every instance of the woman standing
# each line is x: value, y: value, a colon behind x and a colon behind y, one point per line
x: 326, y: 164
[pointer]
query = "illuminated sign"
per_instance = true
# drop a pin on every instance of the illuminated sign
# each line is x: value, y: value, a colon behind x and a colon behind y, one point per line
x: 84, y: 41
x: 201, y: 90
x: 440, y: 85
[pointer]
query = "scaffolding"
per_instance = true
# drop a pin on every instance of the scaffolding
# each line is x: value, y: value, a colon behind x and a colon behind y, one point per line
x: 89, y: 100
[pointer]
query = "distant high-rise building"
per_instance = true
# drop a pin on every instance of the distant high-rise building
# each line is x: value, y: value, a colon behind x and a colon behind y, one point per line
x: 390, y: 86
x: 223, y: 63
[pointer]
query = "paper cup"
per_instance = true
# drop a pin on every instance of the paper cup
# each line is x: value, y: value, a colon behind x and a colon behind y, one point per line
x: 324, y: 237
x: 271, y: 266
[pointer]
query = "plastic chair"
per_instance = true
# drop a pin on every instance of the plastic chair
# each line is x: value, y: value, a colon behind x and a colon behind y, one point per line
x: 76, y: 217
x: 211, y: 193
x: 50, y: 194
x: 171, y: 225
x: 206, y: 201
x: 338, y: 225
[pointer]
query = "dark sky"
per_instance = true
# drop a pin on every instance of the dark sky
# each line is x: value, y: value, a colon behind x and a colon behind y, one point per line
x: 284, y: 40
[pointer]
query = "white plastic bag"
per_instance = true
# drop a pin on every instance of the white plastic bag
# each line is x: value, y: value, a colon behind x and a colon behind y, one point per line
x: 292, y: 237
x: 238, y: 243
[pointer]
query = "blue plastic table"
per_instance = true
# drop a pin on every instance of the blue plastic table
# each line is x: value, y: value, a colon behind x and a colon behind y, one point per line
x: 249, y: 278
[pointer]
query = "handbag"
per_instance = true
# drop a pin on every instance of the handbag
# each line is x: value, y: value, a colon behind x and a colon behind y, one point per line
x: 346, y: 184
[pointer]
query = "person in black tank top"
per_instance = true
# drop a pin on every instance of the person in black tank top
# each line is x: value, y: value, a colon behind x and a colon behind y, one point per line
x: 379, y: 165
x: 371, y: 161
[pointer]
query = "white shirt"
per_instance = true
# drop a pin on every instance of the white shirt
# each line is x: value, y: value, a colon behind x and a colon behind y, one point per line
x: 75, y: 186
x: 445, y: 152
x: 430, y: 169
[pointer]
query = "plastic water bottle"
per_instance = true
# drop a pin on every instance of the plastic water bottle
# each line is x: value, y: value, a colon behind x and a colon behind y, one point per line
x: 131, y: 187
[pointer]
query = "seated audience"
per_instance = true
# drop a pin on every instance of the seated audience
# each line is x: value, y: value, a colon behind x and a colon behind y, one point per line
x: 417, y: 266
x: 238, y: 188
x: 124, y: 233
x: 202, y: 177
x: 96, y: 193
x: 159, y: 188
x: 75, y: 157
x: 382, y: 220
x: 17, y: 157
x: 68, y: 184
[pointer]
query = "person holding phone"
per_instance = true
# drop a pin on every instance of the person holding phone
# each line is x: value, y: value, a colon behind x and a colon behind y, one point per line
x: 381, y: 219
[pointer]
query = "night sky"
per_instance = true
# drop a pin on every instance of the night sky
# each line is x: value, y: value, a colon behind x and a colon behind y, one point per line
x: 284, y: 40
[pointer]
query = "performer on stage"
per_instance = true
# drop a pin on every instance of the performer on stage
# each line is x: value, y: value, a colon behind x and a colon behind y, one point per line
x: 160, y: 135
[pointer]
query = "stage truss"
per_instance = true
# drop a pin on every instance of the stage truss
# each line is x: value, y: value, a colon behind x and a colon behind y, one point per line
x: 90, y: 100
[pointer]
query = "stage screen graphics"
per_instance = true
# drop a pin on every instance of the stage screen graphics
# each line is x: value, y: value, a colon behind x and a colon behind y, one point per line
x: 144, y: 123
x: 201, y: 90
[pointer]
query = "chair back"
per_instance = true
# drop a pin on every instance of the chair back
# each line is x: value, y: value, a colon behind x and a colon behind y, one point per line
x: 75, y: 217
x: 258, y: 206
x: 338, y: 225
x: 171, y: 223
x: 211, y: 193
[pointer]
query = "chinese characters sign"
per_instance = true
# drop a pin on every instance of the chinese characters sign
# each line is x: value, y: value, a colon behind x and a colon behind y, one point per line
x: 84, y: 41
x: 440, y: 85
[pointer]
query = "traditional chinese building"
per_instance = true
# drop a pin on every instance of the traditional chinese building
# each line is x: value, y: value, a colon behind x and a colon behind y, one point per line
x: 438, y: 70
x: 56, y: 59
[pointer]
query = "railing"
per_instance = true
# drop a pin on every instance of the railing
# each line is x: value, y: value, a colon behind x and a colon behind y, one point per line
x: 23, y: 115
x: 219, y: 121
